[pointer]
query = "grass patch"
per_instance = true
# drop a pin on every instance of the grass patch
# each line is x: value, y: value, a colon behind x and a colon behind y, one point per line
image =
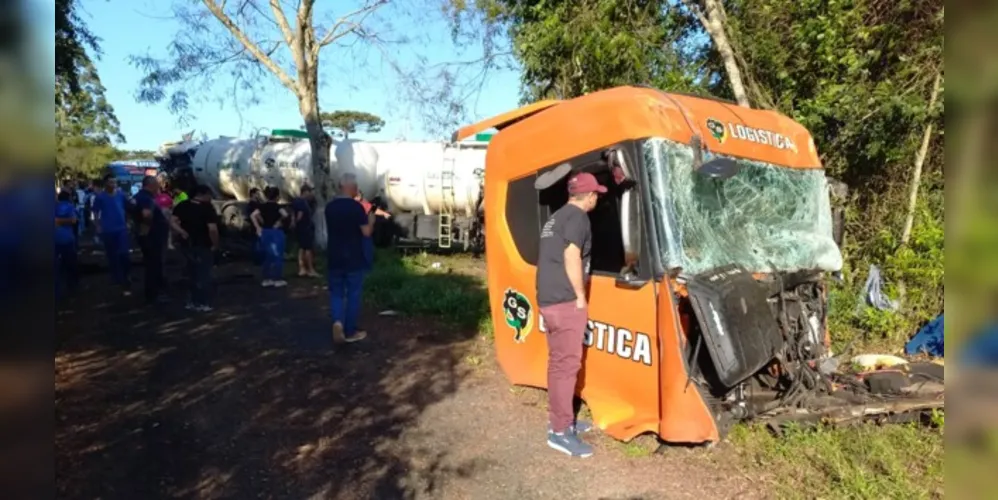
x: 971, y: 467
x: 639, y: 447
x: 864, y: 462
x: 414, y: 285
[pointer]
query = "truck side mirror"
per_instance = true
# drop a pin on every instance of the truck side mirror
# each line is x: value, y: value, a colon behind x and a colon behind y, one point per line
x: 719, y: 168
x: 552, y: 177
x: 630, y: 280
x: 714, y: 168
x: 630, y: 222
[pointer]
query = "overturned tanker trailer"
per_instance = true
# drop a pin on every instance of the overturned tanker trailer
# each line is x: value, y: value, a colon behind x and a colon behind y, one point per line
x: 710, y: 258
x: 433, y: 190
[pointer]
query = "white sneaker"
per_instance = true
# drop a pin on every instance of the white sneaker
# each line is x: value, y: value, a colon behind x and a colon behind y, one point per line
x: 267, y: 283
x: 205, y: 309
x: 280, y: 283
x: 190, y: 306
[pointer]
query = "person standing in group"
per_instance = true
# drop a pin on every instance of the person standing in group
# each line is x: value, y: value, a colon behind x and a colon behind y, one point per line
x: 179, y: 195
x: 305, y: 232
x: 369, y: 240
x: 153, y: 229
x: 67, y: 277
x: 81, y: 203
x: 269, y: 220
x: 255, y: 200
x: 562, y: 275
x: 347, y: 225
x: 88, y: 204
x: 111, y: 227
x: 196, y: 224
x: 165, y: 203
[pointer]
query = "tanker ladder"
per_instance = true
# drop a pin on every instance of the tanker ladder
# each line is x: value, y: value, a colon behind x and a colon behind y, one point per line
x: 446, y: 217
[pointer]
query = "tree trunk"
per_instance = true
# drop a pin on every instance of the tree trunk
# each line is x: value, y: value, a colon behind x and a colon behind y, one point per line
x: 713, y: 22
x: 309, y: 106
x: 916, y: 176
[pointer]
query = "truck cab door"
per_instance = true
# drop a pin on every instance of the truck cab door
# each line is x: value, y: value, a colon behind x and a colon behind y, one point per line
x: 619, y: 376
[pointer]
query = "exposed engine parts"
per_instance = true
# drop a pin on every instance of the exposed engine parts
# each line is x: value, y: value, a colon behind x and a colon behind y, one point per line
x: 757, y: 348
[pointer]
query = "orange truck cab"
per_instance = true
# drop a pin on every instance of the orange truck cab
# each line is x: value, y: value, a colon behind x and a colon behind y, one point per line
x: 710, y: 252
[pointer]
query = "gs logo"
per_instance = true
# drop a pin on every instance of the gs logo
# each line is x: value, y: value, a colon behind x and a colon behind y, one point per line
x: 717, y: 130
x: 518, y: 313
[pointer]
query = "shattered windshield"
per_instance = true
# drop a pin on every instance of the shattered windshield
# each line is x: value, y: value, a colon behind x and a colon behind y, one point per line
x: 762, y: 217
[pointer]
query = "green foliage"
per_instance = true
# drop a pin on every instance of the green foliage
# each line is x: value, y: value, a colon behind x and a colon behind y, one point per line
x: 918, y: 267
x: 899, y: 461
x: 857, y: 73
x: 569, y: 48
x: 348, y: 121
x: 413, y: 286
x: 72, y: 39
x: 86, y: 126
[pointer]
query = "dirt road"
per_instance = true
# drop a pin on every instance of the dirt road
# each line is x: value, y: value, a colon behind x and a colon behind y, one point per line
x: 251, y: 401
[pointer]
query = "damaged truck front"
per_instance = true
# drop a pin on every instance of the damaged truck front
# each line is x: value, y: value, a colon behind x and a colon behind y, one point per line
x: 710, y: 256
x: 747, y: 246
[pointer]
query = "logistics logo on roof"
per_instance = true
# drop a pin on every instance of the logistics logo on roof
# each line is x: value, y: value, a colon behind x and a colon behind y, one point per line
x: 721, y: 132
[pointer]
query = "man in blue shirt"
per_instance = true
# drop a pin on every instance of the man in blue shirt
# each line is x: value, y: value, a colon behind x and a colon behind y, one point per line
x: 65, y: 244
x: 305, y: 232
x: 109, y: 219
x: 347, y: 224
x: 153, y: 229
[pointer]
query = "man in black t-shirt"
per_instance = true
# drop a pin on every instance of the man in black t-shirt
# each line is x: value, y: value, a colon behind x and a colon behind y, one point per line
x: 562, y: 273
x: 196, y: 223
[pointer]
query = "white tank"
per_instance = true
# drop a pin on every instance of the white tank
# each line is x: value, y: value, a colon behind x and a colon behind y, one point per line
x: 231, y: 167
x: 415, y: 174
x: 363, y: 159
x: 407, y: 174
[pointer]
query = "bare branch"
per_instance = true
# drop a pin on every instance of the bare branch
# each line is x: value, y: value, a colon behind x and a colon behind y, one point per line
x: 282, y: 22
x: 695, y: 9
x: 253, y: 49
x: 345, y: 25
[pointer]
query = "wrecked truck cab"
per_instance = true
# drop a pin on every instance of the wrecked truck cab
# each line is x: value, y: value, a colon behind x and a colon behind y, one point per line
x: 707, y: 300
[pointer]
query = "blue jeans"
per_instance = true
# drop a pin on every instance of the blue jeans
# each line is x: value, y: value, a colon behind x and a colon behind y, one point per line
x: 199, y: 264
x: 345, y: 288
x: 116, y: 248
x: 272, y: 242
x: 67, y: 276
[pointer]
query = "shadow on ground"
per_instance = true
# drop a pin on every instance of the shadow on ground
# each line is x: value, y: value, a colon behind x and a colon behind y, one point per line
x: 252, y: 400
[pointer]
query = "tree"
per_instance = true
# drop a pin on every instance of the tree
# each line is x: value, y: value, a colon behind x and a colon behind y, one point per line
x: 347, y: 121
x: 569, y: 48
x: 711, y: 15
x: 86, y: 126
x: 865, y: 77
x: 256, y: 41
x: 72, y: 39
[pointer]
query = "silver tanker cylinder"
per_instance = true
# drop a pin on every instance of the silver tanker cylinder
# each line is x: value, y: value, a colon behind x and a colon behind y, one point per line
x: 421, y: 182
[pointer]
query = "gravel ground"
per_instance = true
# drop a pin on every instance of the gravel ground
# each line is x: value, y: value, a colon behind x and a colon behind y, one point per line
x: 252, y: 401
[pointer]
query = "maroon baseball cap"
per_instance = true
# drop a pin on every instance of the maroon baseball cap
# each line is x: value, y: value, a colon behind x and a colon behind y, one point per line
x: 584, y: 182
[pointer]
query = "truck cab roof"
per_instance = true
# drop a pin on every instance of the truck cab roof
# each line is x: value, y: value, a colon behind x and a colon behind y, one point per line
x: 533, y: 137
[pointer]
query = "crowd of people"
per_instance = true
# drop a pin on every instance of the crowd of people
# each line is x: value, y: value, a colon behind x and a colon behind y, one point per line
x: 160, y: 219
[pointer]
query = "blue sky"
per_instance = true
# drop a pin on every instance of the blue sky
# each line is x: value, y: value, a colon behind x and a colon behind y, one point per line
x: 138, y: 27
